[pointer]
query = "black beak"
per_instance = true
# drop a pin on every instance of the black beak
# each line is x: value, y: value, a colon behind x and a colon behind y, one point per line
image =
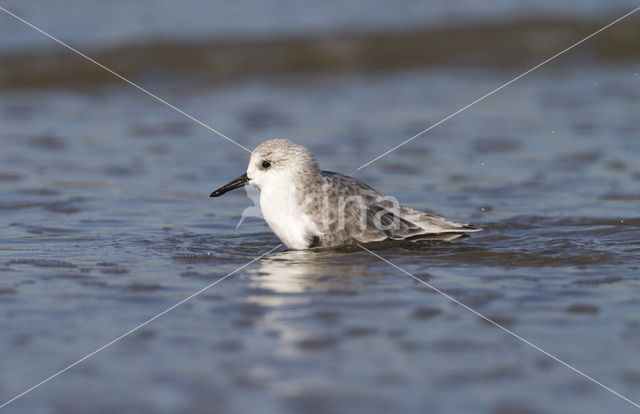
x: 237, y: 183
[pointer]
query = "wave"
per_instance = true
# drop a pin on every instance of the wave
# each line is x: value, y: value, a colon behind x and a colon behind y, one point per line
x: 520, y: 44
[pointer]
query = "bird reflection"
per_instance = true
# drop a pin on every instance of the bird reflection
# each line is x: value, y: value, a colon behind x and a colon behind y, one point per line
x: 295, y: 276
x: 297, y: 289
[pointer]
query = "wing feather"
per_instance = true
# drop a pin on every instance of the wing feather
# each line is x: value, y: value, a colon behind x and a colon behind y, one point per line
x: 383, y: 219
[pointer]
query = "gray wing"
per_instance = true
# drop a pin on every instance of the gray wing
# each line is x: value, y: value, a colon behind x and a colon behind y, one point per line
x: 377, y: 217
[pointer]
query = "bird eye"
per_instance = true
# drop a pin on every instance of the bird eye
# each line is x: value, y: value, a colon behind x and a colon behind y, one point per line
x: 266, y: 164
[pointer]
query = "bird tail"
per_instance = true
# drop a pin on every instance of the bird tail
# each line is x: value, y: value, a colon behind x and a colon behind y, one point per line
x: 432, y: 224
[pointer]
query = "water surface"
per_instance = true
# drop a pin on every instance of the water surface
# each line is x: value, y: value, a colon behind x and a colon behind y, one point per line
x: 106, y: 221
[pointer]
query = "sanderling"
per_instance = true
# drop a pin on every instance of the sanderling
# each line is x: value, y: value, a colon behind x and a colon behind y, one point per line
x: 308, y: 208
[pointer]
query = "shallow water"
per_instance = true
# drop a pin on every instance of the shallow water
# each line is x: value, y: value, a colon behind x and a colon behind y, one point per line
x: 106, y: 221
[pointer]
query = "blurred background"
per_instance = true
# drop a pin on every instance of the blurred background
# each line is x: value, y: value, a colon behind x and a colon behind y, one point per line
x: 210, y: 43
x: 106, y: 221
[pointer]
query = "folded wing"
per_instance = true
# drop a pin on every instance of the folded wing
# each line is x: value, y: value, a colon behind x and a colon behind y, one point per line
x: 378, y: 217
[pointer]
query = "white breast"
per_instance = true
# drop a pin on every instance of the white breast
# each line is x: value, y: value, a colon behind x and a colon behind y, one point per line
x: 285, y: 217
